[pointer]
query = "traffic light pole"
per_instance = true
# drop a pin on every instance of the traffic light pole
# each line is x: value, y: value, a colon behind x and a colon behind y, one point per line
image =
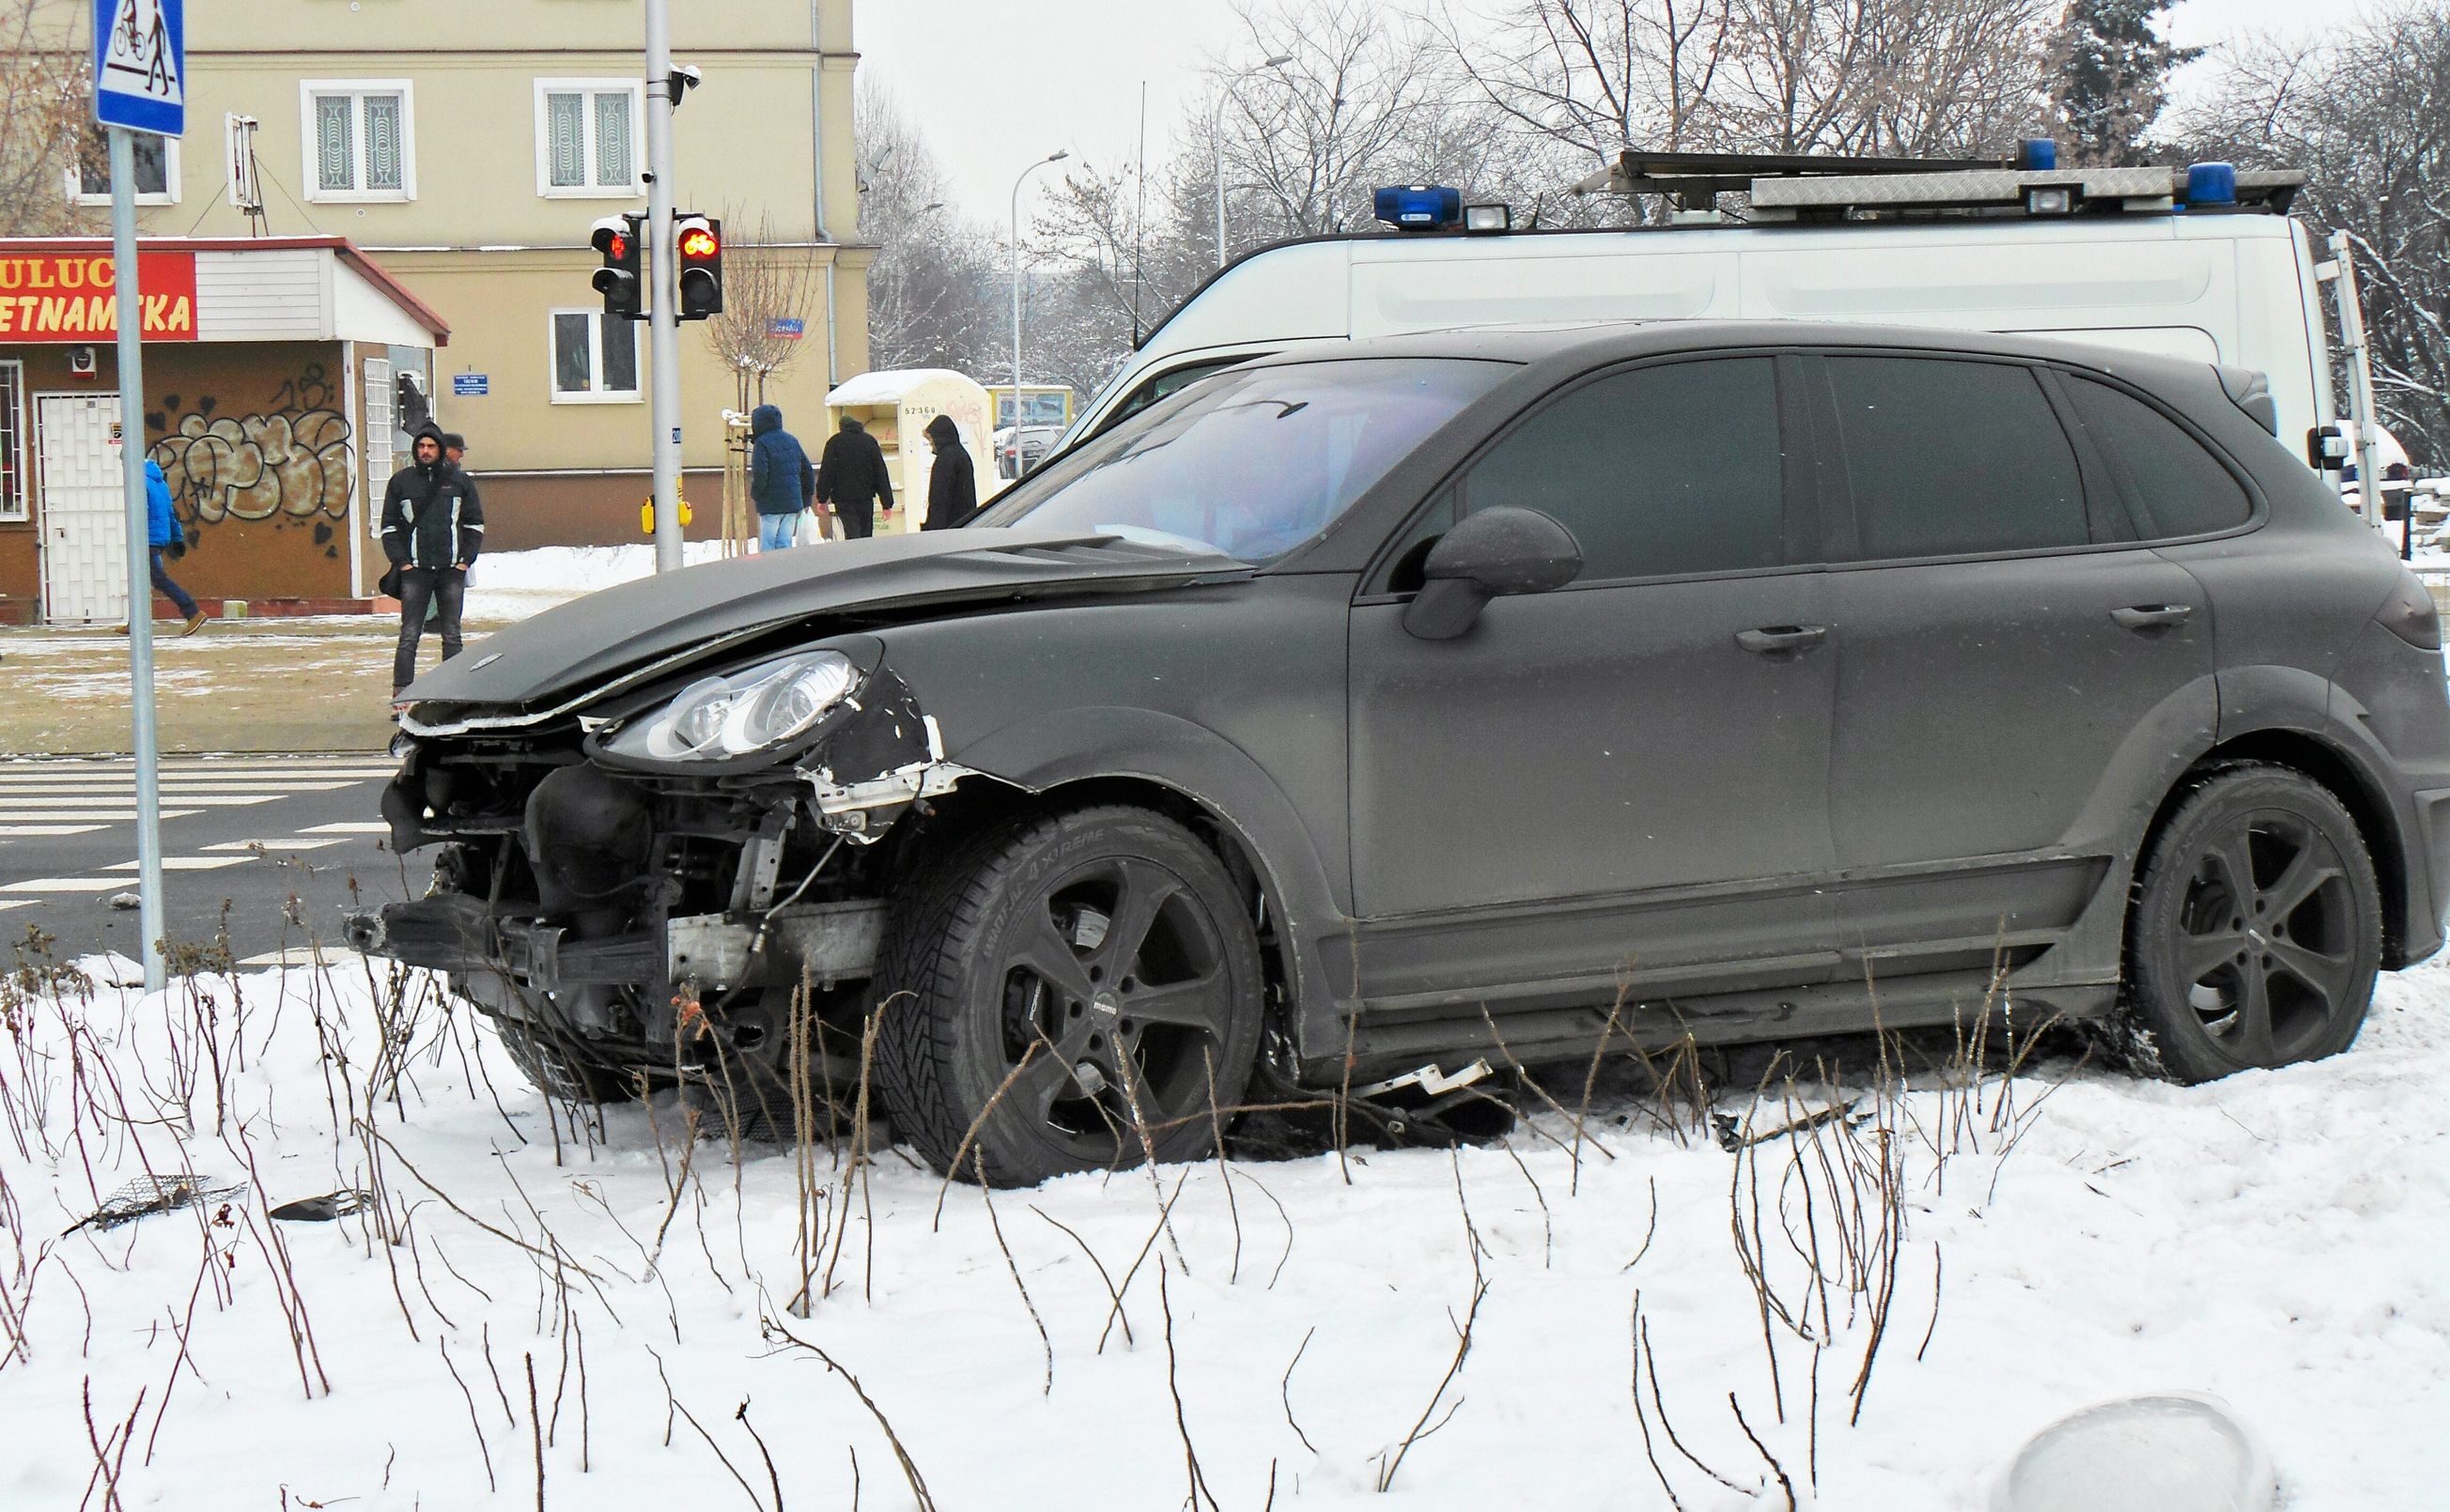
x: 663, y: 325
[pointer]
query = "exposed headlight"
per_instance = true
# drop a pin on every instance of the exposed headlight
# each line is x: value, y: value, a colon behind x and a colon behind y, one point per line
x: 722, y: 718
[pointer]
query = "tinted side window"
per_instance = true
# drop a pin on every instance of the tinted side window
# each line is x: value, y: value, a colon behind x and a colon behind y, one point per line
x: 2176, y: 487
x: 1658, y: 471
x: 1947, y: 458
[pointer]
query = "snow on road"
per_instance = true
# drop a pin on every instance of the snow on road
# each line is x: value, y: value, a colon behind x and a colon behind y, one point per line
x: 2274, y: 1239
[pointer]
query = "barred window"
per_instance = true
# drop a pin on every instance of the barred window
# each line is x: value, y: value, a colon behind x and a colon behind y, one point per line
x: 586, y: 134
x: 359, y: 140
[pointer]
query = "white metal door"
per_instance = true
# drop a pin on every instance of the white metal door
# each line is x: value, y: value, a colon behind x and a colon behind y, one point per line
x: 84, y: 508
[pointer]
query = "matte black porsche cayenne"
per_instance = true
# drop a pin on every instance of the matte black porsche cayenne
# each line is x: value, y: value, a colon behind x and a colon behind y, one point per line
x: 1349, y: 709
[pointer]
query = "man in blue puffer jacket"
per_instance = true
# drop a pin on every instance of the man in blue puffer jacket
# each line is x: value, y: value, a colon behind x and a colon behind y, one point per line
x: 781, y: 481
x: 162, y: 530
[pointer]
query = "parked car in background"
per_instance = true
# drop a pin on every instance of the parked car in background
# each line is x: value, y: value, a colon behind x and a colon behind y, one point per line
x: 1019, y: 449
x: 1387, y: 707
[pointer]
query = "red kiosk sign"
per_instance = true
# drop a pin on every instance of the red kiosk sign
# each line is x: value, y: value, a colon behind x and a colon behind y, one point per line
x: 70, y: 295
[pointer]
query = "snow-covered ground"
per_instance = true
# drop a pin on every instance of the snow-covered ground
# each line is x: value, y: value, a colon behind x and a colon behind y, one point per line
x: 2275, y: 1239
x: 513, y: 585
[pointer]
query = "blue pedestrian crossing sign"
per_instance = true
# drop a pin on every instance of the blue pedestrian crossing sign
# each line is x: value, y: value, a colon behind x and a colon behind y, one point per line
x: 140, y: 64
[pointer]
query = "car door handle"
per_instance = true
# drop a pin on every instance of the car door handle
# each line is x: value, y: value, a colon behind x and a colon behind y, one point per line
x: 2152, y: 616
x: 1772, y: 640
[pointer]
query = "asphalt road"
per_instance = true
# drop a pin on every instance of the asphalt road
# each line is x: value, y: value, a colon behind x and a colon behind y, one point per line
x: 279, y: 847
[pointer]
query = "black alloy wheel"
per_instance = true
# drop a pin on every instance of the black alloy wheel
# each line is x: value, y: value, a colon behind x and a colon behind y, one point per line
x: 1065, y: 993
x: 2256, y: 934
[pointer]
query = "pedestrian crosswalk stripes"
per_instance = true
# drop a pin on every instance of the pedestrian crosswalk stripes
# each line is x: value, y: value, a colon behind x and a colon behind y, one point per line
x: 66, y: 884
x: 276, y: 846
x: 355, y: 827
x: 187, y: 863
x: 10, y: 801
x: 12, y: 783
x: 45, y: 831
x: 81, y: 812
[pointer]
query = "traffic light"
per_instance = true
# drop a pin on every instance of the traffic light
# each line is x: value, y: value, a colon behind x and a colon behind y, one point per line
x: 699, y: 241
x: 615, y: 238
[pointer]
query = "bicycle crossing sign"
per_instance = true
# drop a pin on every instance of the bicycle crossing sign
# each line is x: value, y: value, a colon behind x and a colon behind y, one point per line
x: 140, y: 65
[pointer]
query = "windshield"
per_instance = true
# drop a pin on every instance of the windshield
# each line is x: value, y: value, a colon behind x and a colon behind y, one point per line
x: 1253, y: 463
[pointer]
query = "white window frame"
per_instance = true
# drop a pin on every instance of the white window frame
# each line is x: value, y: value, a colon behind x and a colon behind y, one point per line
x: 589, y: 89
x: 21, y: 423
x: 311, y: 89
x: 169, y: 179
x: 594, y: 394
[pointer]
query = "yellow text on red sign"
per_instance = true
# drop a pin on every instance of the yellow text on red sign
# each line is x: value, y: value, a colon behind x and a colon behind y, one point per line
x: 73, y: 297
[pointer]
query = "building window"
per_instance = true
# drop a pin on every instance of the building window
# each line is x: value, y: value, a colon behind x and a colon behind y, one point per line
x: 594, y: 358
x: 359, y: 138
x: 13, y: 497
x: 379, y: 428
x: 587, y: 138
x: 157, y: 170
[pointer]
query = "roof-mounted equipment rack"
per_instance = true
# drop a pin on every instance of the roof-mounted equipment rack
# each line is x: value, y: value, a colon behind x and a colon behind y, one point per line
x: 1818, y: 187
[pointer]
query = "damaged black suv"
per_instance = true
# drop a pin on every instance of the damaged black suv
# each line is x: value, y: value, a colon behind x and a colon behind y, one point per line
x: 1384, y: 711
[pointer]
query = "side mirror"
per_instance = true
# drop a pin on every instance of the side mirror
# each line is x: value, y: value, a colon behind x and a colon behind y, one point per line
x: 1494, y: 554
x: 2326, y: 449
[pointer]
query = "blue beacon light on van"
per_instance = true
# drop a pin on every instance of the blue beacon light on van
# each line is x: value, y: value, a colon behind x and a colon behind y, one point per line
x: 2210, y: 183
x: 1418, y: 206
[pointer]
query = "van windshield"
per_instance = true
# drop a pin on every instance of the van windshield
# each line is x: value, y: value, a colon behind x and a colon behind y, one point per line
x: 1250, y: 464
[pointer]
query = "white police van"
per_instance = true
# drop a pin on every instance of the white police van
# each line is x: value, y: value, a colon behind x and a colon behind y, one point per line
x: 2197, y: 262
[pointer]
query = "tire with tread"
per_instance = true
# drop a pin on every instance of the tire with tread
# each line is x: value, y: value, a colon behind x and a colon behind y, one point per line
x: 943, y: 990
x: 2254, y: 932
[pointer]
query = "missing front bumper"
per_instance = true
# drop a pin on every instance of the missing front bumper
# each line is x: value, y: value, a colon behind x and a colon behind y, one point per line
x: 820, y: 944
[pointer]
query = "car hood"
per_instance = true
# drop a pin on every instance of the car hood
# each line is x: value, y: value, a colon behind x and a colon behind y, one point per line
x: 659, y: 620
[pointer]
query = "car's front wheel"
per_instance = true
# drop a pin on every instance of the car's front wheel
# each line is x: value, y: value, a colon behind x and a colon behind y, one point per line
x: 1068, y: 991
x: 2256, y: 931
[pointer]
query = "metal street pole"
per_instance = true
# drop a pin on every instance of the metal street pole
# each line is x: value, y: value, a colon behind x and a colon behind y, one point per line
x: 1056, y: 157
x: 664, y: 317
x: 1216, y: 139
x: 130, y: 295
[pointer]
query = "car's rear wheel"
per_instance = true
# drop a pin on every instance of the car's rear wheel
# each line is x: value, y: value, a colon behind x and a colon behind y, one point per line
x: 2256, y: 931
x: 1066, y: 993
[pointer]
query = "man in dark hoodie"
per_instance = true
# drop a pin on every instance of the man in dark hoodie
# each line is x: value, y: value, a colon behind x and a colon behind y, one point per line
x: 953, y: 482
x: 780, y: 482
x: 850, y: 479
x: 432, y: 529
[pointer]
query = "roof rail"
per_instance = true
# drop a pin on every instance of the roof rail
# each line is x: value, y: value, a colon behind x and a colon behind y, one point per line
x: 1816, y: 187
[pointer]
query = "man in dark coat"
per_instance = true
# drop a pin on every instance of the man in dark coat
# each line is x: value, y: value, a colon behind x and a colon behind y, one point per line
x: 851, y: 480
x: 432, y: 529
x: 780, y: 482
x: 953, y: 482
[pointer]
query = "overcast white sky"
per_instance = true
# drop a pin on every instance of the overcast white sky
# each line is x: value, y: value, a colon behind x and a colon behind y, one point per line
x: 996, y: 85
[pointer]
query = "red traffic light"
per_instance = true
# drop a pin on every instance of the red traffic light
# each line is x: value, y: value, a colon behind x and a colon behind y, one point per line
x: 617, y: 246
x: 698, y: 242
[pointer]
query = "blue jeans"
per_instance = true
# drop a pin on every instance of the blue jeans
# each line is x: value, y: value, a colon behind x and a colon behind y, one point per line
x: 775, y: 532
x: 171, y: 591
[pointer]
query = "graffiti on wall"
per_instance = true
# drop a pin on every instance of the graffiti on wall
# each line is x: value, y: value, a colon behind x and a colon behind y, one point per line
x: 288, y: 462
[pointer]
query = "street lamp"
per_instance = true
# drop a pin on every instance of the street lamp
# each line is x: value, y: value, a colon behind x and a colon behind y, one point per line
x: 1052, y: 157
x: 1216, y: 137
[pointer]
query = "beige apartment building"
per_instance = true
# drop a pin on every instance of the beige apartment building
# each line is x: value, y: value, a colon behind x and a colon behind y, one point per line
x: 466, y: 150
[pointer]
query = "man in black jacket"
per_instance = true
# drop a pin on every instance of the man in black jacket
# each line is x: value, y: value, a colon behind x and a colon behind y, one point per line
x: 850, y: 479
x: 433, y: 526
x: 953, y: 481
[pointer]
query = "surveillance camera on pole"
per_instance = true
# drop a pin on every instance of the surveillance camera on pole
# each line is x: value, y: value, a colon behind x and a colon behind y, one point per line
x: 683, y: 78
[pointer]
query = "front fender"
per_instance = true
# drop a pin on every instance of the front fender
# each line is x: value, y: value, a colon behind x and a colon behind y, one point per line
x: 1059, y: 747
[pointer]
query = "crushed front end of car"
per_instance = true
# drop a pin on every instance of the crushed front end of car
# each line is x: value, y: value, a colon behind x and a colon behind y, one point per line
x: 640, y: 884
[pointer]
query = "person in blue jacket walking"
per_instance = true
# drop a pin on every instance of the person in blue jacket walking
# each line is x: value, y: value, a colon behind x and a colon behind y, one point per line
x: 161, y: 533
x: 780, y: 481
